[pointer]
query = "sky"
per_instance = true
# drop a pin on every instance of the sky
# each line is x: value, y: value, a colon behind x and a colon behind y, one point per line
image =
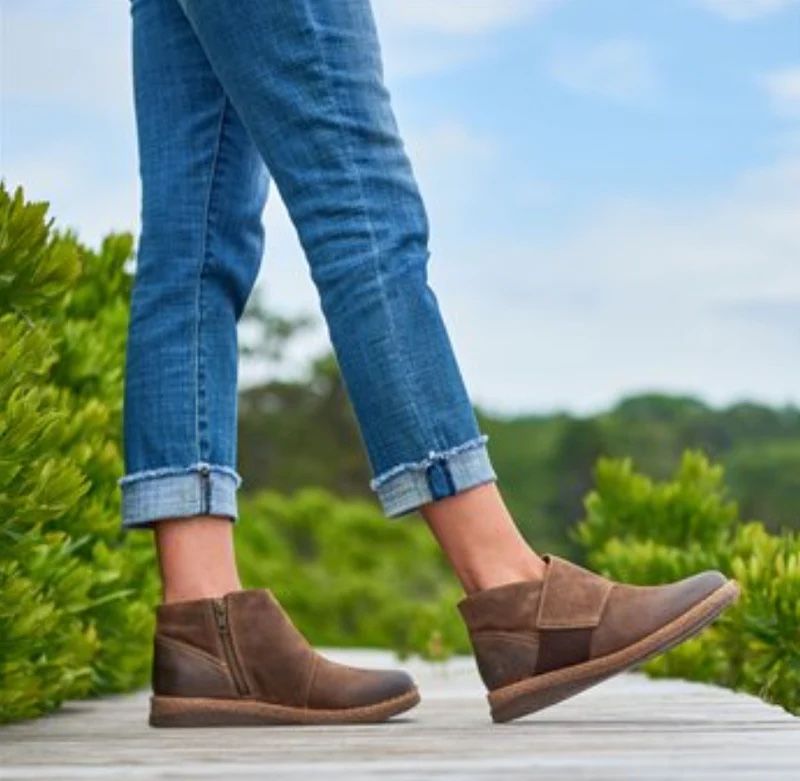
x: 613, y: 186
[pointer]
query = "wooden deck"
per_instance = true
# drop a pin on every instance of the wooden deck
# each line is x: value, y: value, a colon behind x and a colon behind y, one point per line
x: 627, y: 728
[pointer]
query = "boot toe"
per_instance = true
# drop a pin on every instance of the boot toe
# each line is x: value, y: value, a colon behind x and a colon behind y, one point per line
x: 676, y: 598
x: 390, y: 684
x: 633, y: 612
x: 369, y: 687
x: 340, y: 686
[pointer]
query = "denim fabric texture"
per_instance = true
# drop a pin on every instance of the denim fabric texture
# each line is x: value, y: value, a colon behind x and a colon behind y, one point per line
x: 229, y: 96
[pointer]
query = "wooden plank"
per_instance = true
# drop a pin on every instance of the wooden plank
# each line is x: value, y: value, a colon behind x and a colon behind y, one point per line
x: 627, y: 728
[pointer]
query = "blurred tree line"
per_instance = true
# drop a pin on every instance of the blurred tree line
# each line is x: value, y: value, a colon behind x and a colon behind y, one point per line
x: 295, y: 433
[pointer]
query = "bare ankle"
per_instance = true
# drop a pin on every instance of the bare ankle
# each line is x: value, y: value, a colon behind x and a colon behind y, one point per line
x: 480, y: 539
x: 486, y: 575
x: 188, y: 592
x: 196, y: 558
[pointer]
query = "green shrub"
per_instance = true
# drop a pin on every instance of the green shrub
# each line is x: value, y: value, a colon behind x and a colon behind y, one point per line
x: 645, y: 532
x: 347, y: 576
x: 75, y: 594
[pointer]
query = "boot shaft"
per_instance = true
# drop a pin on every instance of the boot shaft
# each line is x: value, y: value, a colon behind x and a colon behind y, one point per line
x: 242, y: 644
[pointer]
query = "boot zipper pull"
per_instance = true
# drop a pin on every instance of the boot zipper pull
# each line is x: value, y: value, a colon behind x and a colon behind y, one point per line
x: 222, y: 615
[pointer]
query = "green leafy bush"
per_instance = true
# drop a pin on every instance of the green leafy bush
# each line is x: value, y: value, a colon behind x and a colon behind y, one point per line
x: 75, y: 594
x: 645, y: 532
x: 347, y: 576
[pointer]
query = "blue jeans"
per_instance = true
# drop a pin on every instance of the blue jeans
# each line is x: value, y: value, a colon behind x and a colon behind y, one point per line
x: 229, y: 95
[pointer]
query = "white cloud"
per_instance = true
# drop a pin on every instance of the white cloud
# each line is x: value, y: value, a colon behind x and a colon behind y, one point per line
x: 67, y: 124
x: 81, y: 194
x: 457, y: 17
x: 783, y: 89
x: 66, y: 55
x: 740, y: 244
x: 745, y: 10
x: 619, y: 69
x: 422, y: 37
x: 409, y: 56
x: 447, y: 141
x: 696, y: 295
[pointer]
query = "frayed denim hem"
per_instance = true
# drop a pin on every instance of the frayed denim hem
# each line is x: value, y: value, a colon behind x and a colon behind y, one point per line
x: 169, y: 471
x: 404, y: 488
x: 181, y: 492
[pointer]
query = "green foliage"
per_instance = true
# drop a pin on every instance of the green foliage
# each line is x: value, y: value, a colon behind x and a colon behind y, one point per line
x: 276, y: 422
x: 640, y: 531
x: 544, y: 462
x: 766, y: 474
x: 75, y: 595
x: 347, y: 576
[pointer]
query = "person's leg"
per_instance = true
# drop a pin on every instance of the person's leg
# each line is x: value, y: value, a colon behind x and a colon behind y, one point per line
x: 306, y: 78
x: 222, y: 655
x: 480, y: 539
x: 196, y: 558
x: 204, y: 187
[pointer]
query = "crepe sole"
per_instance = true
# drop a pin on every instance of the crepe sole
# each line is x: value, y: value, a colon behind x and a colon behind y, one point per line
x: 532, y: 694
x: 209, y: 712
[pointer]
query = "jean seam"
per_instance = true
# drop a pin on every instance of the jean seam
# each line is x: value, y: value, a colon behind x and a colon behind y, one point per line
x: 374, y: 251
x: 200, y: 414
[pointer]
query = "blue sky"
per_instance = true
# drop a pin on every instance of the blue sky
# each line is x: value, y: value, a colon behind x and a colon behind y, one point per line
x: 613, y: 185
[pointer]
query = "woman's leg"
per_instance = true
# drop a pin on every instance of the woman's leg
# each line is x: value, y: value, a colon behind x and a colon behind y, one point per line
x: 222, y: 655
x: 204, y: 186
x: 196, y: 558
x: 481, y: 540
x: 306, y: 78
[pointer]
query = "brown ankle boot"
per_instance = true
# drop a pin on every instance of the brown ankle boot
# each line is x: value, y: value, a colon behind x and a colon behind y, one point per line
x: 239, y: 660
x: 539, y: 643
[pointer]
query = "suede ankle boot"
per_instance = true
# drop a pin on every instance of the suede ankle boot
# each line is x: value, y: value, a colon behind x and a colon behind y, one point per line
x: 537, y: 643
x: 239, y: 660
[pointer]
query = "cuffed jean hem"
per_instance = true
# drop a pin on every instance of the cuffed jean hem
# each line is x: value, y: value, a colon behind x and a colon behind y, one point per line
x: 406, y: 487
x: 200, y: 489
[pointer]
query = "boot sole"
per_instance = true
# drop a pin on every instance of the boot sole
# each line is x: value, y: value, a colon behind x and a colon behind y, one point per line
x: 208, y: 712
x: 532, y: 694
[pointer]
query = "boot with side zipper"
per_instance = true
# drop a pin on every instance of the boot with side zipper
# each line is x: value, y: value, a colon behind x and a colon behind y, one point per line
x: 238, y: 660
